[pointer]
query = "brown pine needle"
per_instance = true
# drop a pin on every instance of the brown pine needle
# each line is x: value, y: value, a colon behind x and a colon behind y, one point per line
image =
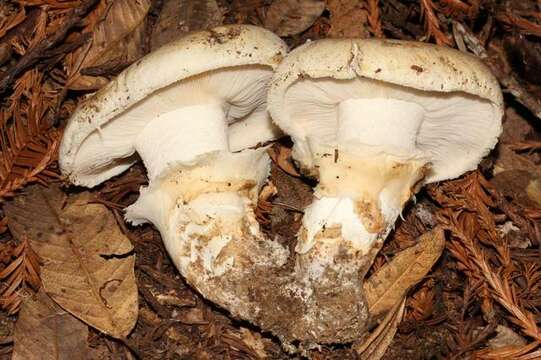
x: 374, y: 18
x: 432, y: 24
x: 22, y: 271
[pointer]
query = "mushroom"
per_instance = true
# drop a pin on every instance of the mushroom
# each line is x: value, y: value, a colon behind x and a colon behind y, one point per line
x: 373, y: 120
x: 194, y: 109
x: 205, y: 92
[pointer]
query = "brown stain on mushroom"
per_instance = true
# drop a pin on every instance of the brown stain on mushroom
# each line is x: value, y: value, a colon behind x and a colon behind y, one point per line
x: 288, y: 301
x: 417, y: 68
x: 370, y: 215
x: 217, y: 37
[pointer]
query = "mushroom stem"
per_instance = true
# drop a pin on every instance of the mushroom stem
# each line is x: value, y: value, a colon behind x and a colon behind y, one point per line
x: 205, y: 214
x: 359, y: 195
x: 179, y: 136
x: 388, y: 123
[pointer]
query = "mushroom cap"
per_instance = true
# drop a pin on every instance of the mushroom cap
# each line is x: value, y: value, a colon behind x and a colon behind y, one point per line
x: 227, y: 48
x: 462, y: 101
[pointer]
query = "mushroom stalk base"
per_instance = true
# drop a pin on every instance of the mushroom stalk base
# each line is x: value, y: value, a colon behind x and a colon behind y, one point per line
x: 179, y: 136
x: 360, y: 194
x: 205, y: 214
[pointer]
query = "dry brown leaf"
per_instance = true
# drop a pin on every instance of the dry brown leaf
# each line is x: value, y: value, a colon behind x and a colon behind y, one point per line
x: 87, y: 267
x: 291, y: 17
x: 117, y: 39
x: 348, y: 18
x: 45, y: 331
x: 375, y: 346
x: 390, y: 283
x: 507, y: 159
x: 522, y: 186
x: 180, y: 16
x: 281, y: 156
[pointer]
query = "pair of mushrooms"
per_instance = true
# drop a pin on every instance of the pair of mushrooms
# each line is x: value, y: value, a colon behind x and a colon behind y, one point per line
x: 371, y: 120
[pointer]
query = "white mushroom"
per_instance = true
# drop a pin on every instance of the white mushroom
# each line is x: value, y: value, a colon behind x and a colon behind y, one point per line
x: 184, y: 110
x: 205, y: 92
x: 192, y: 109
x: 373, y: 120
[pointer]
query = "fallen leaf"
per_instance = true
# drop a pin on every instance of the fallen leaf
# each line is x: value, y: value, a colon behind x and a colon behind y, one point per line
x: 377, y: 343
x: 515, y: 127
x: 348, y: 18
x: 45, y: 331
x: 291, y: 17
x: 509, y: 160
x: 87, y: 267
x: 116, y: 39
x: 390, y: 283
x: 179, y: 17
x: 521, y: 185
x: 281, y: 156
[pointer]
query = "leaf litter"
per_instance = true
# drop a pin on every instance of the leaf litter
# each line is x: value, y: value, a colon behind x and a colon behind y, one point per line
x: 45, y: 331
x: 87, y: 263
x: 486, y: 283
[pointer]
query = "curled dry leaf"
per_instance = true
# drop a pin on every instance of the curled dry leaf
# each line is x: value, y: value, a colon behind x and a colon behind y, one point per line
x: 281, y: 156
x: 348, y: 18
x: 390, y: 283
x: 87, y: 267
x: 291, y: 17
x: 178, y: 17
x: 116, y: 42
x: 375, y: 346
x: 45, y: 331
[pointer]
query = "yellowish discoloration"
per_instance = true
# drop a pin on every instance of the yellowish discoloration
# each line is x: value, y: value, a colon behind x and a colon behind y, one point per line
x: 365, y: 177
x: 192, y: 183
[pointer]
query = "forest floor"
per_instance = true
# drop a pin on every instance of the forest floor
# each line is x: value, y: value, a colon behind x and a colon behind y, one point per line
x: 482, y: 298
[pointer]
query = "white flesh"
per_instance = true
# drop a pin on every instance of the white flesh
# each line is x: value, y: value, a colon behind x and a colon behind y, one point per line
x: 180, y: 135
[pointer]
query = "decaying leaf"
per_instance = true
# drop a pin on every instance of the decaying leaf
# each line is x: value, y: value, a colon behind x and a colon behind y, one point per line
x: 291, y: 17
x: 375, y: 346
x: 348, y: 18
x: 116, y: 42
x: 281, y: 156
x: 180, y: 16
x: 390, y: 283
x: 509, y: 160
x: 45, y: 331
x: 521, y: 185
x: 87, y: 267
